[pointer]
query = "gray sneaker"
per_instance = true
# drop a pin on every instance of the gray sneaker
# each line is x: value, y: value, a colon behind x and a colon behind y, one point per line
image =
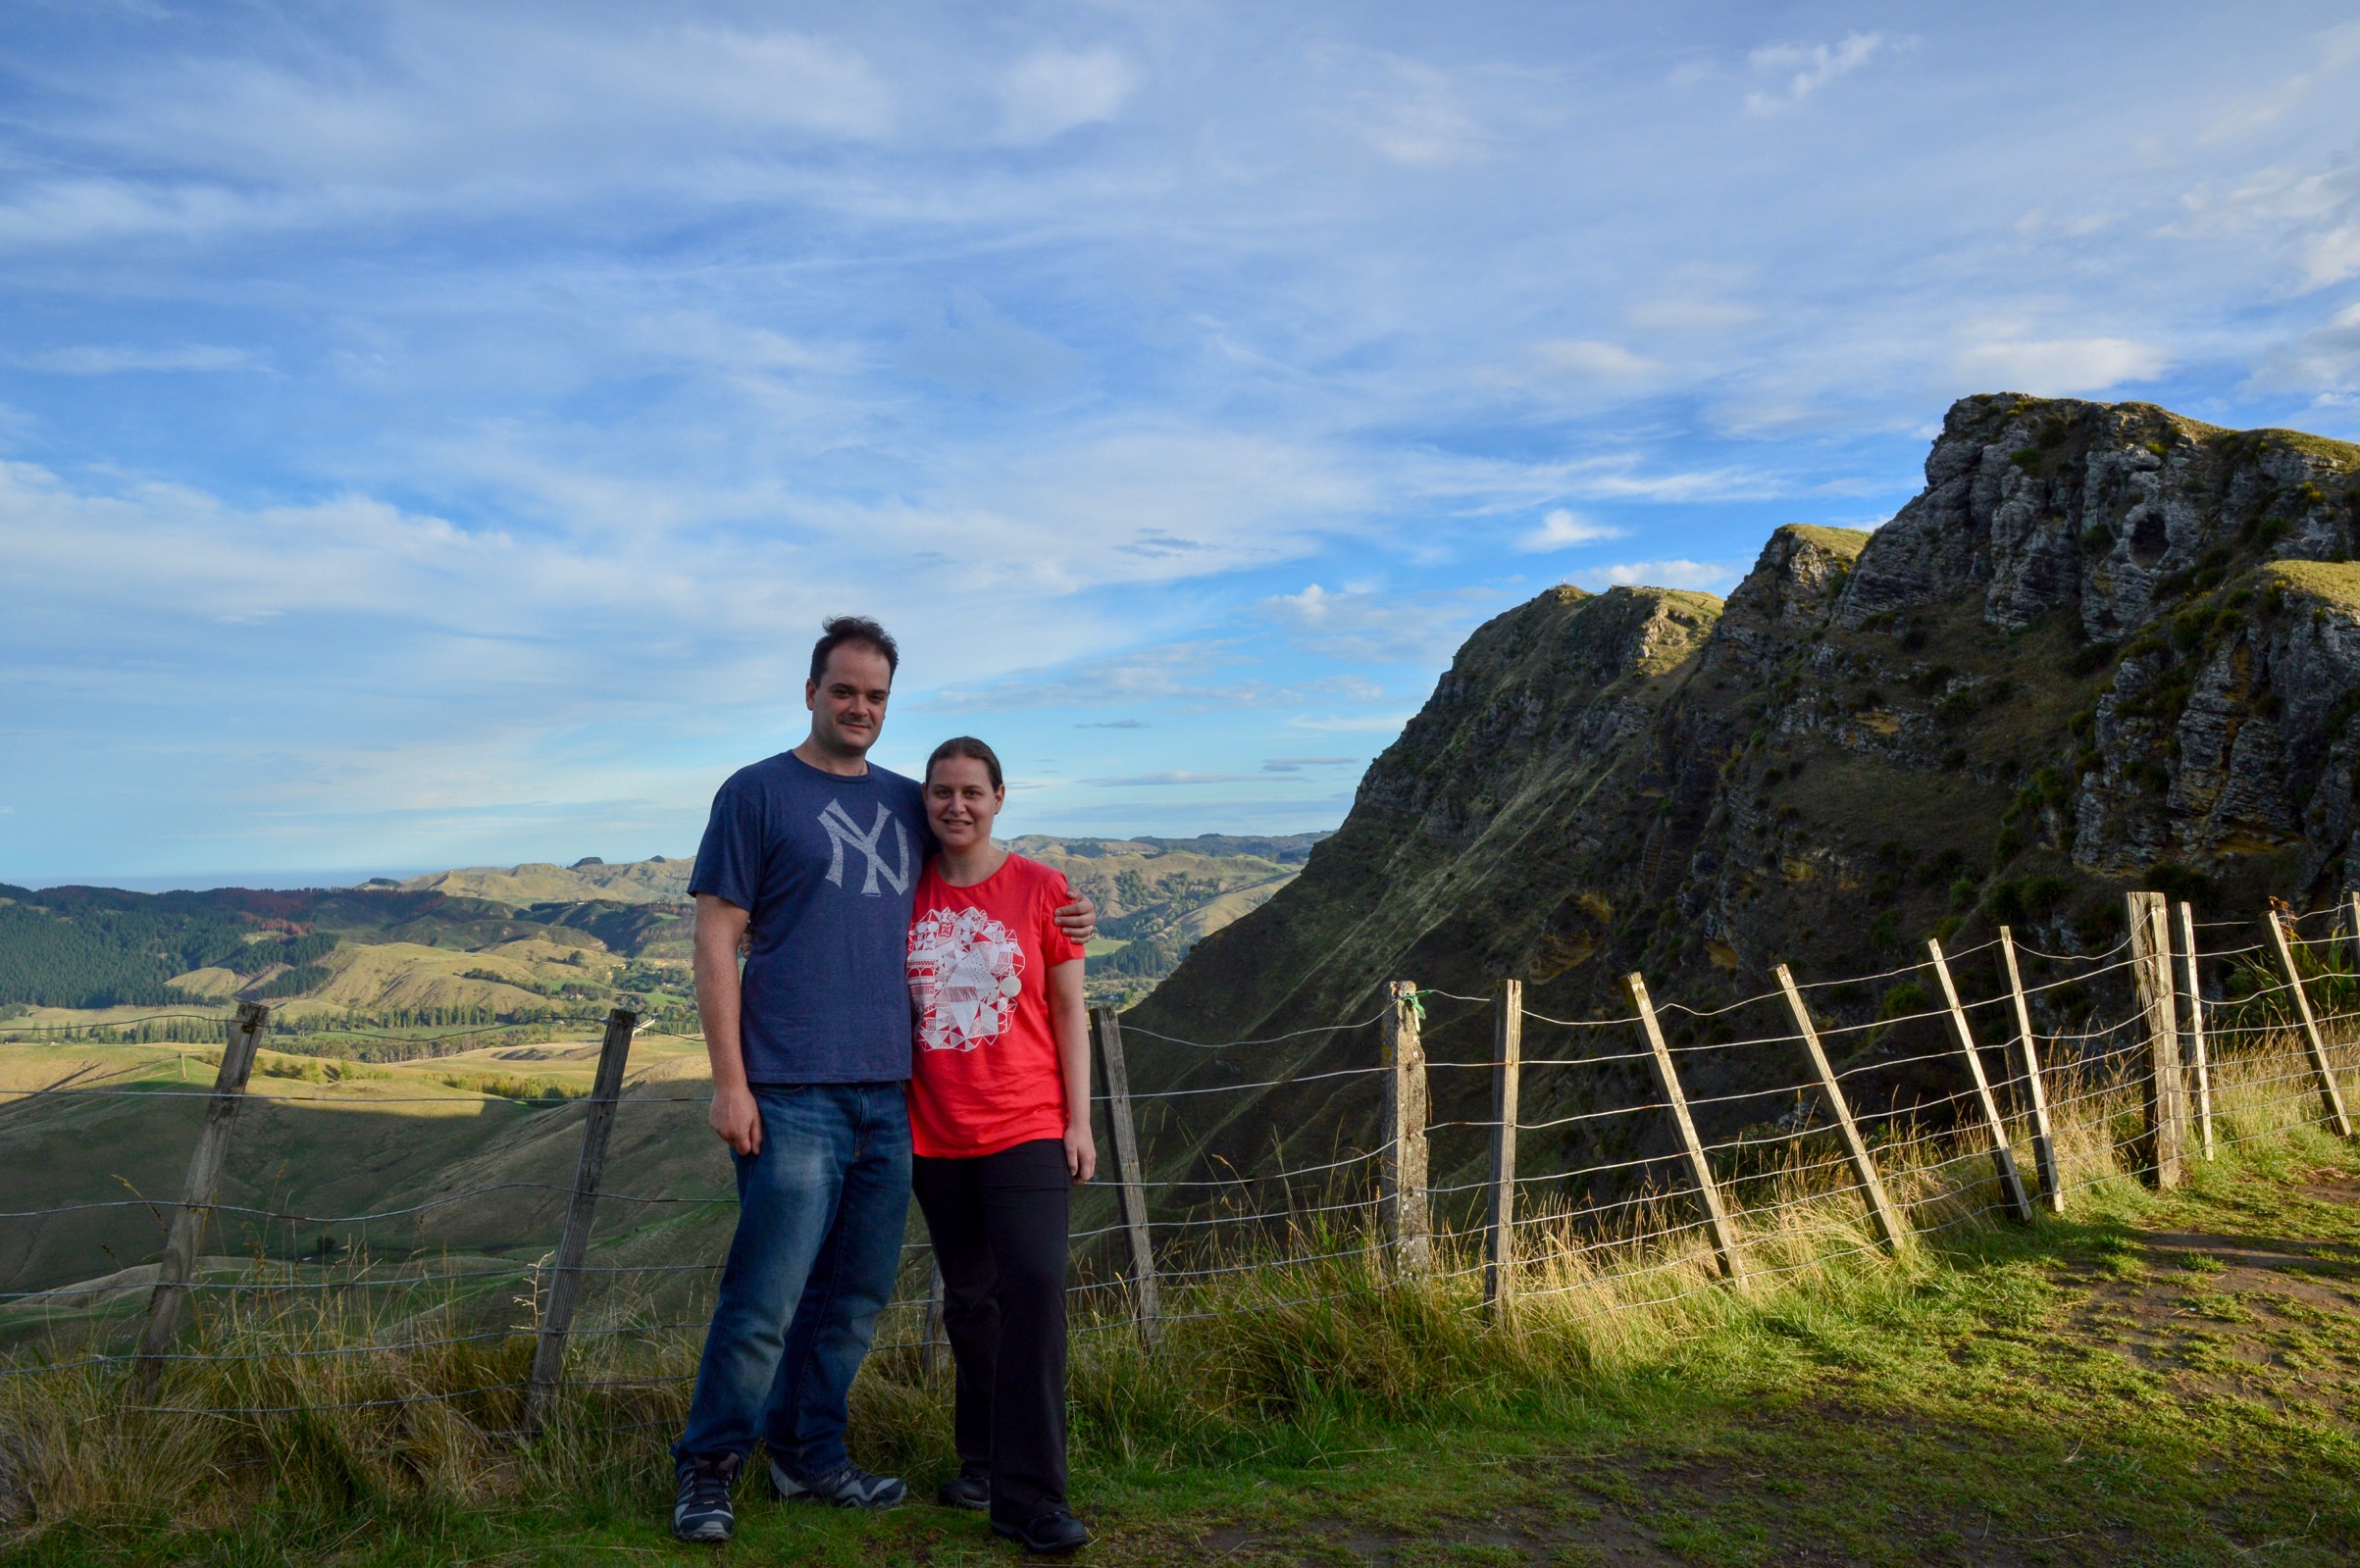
x: 847, y: 1486
x: 700, y: 1508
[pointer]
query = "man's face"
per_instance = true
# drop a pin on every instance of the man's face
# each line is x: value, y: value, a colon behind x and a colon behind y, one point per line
x: 848, y: 700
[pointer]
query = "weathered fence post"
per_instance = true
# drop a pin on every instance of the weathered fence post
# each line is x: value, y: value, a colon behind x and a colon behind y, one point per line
x: 1880, y: 1208
x: 1507, y: 1070
x: 2329, y: 1094
x: 1700, y: 1169
x: 930, y: 1348
x: 2003, y: 1157
x: 2044, y: 1142
x: 185, y: 1239
x: 1402, y: 1172
x: 2351, y: 910
x: 2166, y: 1101
x: 580, y: 1213
x: 1145, y: 1290
x: 2197, y: 1058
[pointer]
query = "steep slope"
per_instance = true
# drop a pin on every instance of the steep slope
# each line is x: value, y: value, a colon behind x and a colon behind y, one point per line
x: 2106, y: 645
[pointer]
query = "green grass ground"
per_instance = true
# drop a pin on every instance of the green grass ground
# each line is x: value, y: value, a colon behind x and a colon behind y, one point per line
x: 2155, y: 1380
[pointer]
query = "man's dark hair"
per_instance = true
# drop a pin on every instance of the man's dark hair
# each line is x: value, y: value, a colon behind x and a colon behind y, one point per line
x: 841, y: 629
x: 966, y: 746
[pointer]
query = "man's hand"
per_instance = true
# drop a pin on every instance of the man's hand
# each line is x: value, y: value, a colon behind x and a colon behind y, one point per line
x: 736, y: 1118
x: 1079, y: 919
x: 1080, y: 1154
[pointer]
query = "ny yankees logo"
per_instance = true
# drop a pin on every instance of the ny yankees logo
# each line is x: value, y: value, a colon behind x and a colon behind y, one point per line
x: 842, y: 830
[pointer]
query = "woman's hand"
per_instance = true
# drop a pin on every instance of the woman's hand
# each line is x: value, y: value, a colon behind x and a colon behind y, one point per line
x: 1080, y: 1154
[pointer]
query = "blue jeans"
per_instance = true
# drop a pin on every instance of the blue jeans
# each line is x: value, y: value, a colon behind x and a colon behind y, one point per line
x: 821, y: 1208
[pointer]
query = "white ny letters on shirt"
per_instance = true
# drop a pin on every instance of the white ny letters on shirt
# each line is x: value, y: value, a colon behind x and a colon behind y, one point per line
x: 842, y: 831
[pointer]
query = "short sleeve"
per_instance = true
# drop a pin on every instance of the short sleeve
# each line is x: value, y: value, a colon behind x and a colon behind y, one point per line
x: 729, y: 860
x: 1055, y: 894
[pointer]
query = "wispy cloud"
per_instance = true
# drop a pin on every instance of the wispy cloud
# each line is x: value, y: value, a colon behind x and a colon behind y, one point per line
x: 1050, y: 91
x: 1561, y: 530
x: 2060, y: 366
x: 96, y: 360
x: 1714, y: 576
x: 1807, y: 68
x: 484, y: 403
x: 1176, y: 777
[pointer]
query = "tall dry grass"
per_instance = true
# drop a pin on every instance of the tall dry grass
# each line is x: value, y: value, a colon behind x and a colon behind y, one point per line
x: 317, y: 1405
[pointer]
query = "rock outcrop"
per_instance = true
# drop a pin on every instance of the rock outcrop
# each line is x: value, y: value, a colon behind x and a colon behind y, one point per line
x: 2106, y: 645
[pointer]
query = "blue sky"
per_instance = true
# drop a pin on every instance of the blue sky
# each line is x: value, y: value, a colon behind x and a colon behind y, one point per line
x: 430, y: 434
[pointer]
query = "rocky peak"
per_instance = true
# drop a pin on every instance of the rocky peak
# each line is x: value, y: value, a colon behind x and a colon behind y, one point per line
x: 2106, y: 646
x: 2047, y: 503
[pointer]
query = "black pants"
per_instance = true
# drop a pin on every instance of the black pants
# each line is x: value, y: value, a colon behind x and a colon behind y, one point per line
x: 998, y: 1229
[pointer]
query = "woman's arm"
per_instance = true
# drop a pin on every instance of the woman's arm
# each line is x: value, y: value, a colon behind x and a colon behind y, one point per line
x: 1070, y: 1019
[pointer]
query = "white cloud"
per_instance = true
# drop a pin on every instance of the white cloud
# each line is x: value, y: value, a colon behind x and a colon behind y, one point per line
x: 2332, y: 257
x: 1178, y: 777
x: 2324, y: 360
x: 96, y: 360
x: 1051, y: 92
x: 1590, y: 360
x: 1419, y: 116
x: 973, y: 348
x: 1807, y: 67
x: 1691, y: 315
x: 1352, y: 723
x: 1369, y: 625
x: 1297, y: 763
x: 1561, y: 530
x: 1713, y: 577
x: 2058, y: 366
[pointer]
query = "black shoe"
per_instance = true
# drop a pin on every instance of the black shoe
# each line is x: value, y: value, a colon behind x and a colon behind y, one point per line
x: 965, y: 1490
x: 847, y: 1486
x: 700, y: 1512
x: 1047, y: 1535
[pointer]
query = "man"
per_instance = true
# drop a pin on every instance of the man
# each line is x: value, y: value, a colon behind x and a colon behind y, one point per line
x: 808, y: 861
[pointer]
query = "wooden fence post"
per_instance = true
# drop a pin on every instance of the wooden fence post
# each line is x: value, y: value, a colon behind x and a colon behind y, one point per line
x: 2044, y: 1142
x: 930, y: 1348
x: 2197, y: 1058
x: 2003, y: 1157
x: 1402, y: 1172
x: 2351, y: 909
x: 1144, y: 1289
x: 2321, y: 1069
x: 1863, y: 1167
x: 185, y: 1239
x: 1700, y: 1169
x: 1507, y: 1070
x: 580, y: 1213
x: 2167, y: 1104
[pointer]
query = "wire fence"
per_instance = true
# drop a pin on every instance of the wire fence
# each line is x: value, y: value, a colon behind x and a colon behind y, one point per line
x: 1574, y: 1182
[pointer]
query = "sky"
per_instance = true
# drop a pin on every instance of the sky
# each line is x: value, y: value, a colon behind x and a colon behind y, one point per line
x: 432, y: 434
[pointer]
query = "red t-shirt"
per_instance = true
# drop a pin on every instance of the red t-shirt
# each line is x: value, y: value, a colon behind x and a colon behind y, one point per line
x: 986, y: 1075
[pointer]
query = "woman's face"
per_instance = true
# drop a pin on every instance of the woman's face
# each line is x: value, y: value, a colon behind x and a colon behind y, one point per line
x: 961, y: 802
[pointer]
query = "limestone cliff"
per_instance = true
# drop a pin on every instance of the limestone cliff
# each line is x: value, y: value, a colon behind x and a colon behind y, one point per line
x: 2105, y: 645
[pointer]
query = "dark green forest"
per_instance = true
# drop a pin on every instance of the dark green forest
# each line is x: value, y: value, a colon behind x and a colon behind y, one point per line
x: 99, y: 957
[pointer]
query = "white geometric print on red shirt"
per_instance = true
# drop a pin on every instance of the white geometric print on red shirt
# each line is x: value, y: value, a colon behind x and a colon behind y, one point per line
x: 965, y: 973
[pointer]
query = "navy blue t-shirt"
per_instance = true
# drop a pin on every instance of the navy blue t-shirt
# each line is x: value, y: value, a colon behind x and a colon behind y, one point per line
x: 827, y: 866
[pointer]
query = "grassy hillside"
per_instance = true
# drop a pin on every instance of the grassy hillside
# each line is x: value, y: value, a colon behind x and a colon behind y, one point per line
x: 2146, y: 1379
x: 524, y: 944
x: 1157, y: 898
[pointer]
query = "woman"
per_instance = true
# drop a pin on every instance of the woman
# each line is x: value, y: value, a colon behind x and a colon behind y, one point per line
x: 1000, y: 1130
